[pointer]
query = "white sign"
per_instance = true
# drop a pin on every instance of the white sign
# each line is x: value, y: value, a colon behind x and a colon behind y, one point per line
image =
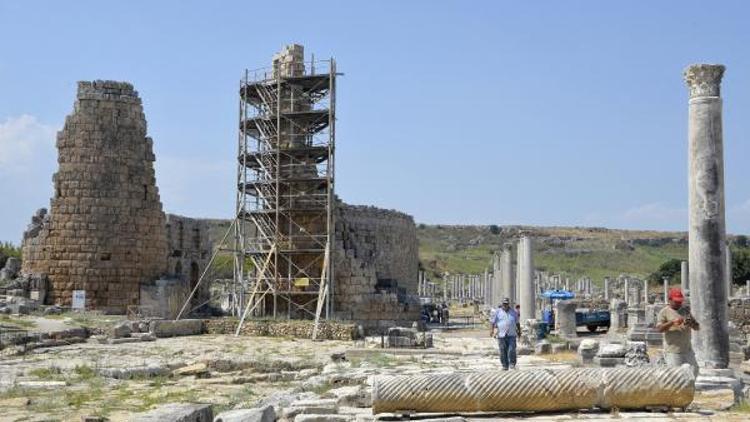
x: 79, y: 299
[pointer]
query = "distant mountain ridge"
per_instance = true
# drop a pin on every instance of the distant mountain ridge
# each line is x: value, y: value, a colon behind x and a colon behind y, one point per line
x: 595, y: 252
x: 574, y: 251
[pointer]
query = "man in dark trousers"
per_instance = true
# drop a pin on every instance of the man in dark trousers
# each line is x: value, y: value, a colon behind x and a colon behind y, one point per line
x: 503, y: 326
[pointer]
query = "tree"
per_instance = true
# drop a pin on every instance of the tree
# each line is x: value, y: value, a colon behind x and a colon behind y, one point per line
x: 669, y: 269
x: 740, y: 265
x: 494, y: 229
x: 7, y: 250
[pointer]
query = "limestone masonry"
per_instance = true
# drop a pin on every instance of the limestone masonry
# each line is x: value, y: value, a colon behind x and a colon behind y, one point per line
x: 105, y: 232
x: 376, y: 266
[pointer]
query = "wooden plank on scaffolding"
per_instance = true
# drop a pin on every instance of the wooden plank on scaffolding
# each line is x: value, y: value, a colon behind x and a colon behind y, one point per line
x: 322, y: 292
x: 255, y: 291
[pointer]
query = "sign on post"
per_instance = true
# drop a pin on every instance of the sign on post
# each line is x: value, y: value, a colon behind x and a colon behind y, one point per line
x: 79, y: 299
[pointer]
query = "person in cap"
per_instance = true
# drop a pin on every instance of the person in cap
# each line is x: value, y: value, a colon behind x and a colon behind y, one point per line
x: 503, y: 326
x: 676, y: 322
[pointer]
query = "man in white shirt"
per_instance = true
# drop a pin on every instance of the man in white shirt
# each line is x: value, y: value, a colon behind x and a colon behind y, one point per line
x: 503, y: 326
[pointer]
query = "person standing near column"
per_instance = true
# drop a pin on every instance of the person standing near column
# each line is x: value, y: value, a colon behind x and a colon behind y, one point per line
x: 677, y: 323
x: 503, y: 327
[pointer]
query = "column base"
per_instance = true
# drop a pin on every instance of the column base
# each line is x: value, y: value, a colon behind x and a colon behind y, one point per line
x: 717, y: 389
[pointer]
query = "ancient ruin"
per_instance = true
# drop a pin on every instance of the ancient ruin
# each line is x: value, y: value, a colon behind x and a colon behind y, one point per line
x: 106, y: 235
x: 330, y: 313
x: 105, y: 232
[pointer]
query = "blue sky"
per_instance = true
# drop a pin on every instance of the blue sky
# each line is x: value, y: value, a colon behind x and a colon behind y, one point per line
x: 457, y: 112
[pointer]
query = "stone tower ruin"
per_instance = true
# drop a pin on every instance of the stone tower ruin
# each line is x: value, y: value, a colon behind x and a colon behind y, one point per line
x: 105, y: 232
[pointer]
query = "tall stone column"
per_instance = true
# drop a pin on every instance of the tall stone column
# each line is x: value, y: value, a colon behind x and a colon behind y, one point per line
x: 486, y: 287
x: 684, y: 277
x: 666, y: 289
x: 627, y: 291
x: 445, y: 290
x: 497, y: 280
x: 565, y: 318
x: 527, y: 292
x: 508, y: 278
x: 516, y: 283
x: 606, y: 288
x: 729, y: 271
x: 707, y: 232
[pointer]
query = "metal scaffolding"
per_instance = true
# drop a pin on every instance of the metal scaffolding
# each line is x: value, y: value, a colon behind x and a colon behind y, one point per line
x: 285, y: 190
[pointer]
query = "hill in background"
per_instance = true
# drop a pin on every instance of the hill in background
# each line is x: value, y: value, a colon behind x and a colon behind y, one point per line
x: 573, y: 251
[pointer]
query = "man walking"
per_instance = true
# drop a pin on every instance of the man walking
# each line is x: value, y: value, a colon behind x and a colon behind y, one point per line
x: 503, y: 326
x: 676, y: 323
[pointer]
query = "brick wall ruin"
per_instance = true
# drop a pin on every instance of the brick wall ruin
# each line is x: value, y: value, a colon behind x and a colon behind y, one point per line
x: 188, y: 254
x: 376, y: 267
x: 189, y: 247
x: 739, y: 314
x: 105, y: 232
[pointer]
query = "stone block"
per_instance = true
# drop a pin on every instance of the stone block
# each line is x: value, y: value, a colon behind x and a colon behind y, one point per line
x: 133, y: 372
x: 637, y: 354
x: 351, y: 396
x: 259, y: 414
x: 198, y: 369
x: 177, y: 412
x: 714, y: 399
x: 587, y: 350
x: 612, y: 350
x: 310, y: 407
x: 608, y: 362
x: 322, y: 418
x: 174, y: 328
x: 143, y: 336
x: 542, y: 347
x: 121, y: 329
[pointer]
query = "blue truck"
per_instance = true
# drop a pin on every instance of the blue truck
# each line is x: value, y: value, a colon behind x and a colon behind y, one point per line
x: 591, y: 319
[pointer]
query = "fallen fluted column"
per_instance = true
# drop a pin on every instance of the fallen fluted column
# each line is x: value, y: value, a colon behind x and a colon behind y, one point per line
x: 536, y: 390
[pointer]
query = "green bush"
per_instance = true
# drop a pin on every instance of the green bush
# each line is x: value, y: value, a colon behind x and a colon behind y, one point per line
x: 670, y: 270
x: 7, y: 250
x: 740, y: 265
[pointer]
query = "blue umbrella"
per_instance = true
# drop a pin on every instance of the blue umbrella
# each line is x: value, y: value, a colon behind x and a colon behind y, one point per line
x: 558, y: 294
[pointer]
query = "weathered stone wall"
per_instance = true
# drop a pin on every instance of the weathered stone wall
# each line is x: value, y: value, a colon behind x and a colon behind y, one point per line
x: 188, y: 255
x: 164, y: 298
x: 105, y: 232
x: 189, y: 248
x: 385, y: 239
x: 376, y: 267
x: 739, y: 314
x: 327, y: 330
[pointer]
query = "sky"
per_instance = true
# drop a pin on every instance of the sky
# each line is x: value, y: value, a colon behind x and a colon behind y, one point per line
x: 456, y: 112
